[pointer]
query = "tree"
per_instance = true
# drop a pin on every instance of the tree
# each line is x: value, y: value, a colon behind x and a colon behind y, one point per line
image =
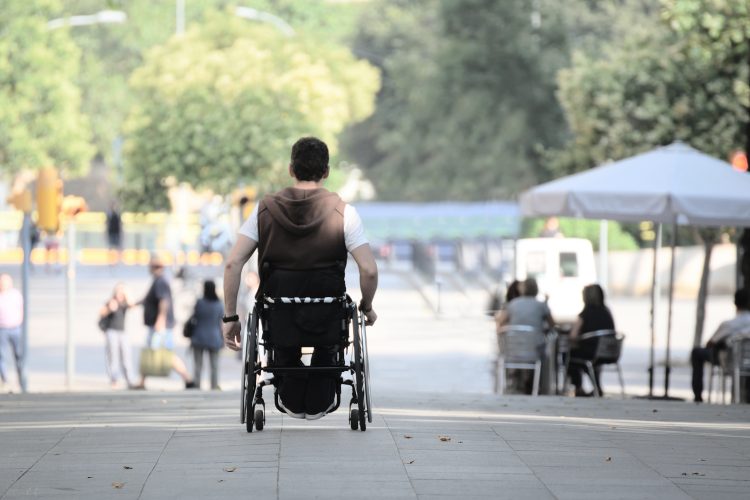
x: 223, y: 103
x: 468, y: 97
x: 650, y: 90
x: 719, y: 31
x: 41, y: 124
x: 110, y: 53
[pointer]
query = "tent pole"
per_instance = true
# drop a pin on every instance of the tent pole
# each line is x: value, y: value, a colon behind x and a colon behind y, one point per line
x: 667, y: 361
x: 655, y: 285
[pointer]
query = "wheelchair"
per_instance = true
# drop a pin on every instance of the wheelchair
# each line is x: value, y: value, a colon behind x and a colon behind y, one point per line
x: 302, y: 321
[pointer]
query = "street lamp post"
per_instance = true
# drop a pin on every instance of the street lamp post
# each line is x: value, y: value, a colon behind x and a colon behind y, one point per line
x: 264, y: 17
x: 101, y: 17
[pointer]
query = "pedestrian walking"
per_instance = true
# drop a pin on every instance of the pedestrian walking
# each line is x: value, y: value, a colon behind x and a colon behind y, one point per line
x: 114, y: 230
x: 207, y: 337
x: 158, y: 317
x: 11, y: 320
x: 112, y: 323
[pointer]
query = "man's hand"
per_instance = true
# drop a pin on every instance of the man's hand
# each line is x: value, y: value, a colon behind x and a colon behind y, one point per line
x: 370, y: 317
x: 232, y: 335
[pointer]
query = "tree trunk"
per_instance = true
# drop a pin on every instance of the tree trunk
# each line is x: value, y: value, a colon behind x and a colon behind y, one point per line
x: 700, y: 310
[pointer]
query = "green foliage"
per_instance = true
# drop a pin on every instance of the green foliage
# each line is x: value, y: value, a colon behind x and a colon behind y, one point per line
x: 40, y: 120
x: 467, y: 98
x: 652, y: 89
x: 222, y: 105
x: 617, y: 238
x: 111, y: 52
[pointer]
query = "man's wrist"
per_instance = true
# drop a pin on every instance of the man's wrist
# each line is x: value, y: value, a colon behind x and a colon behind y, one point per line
x: 230, y: 318
x: 365, y: 308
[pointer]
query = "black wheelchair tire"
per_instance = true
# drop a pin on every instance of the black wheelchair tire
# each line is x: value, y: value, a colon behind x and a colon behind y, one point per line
x: 260, y: 419
x: 359, y: 375
x: 354, y: 419
x: 249, y: 421
x: 249, y: 377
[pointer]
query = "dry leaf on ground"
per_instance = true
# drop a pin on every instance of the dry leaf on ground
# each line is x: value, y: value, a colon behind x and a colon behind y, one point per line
x: 230, y: 469
x: 444, y: 438
x: 118, y: 485
x: 127, y: 467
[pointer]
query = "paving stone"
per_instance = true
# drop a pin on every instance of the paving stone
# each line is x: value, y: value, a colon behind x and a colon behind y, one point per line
x: 193, y: 446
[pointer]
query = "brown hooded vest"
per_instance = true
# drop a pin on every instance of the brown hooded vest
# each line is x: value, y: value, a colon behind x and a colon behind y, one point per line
x: 301, y: 229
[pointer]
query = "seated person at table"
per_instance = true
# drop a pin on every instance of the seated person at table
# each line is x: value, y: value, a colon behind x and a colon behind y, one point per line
x: 729, y: 328
x: 526, y: 310
x: 594, y: 316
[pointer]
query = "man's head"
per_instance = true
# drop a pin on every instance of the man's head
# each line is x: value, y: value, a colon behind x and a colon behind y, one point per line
x: 530, y: 288
x: 309, y: 160
x: 742, y: 299
x: 156, y: 265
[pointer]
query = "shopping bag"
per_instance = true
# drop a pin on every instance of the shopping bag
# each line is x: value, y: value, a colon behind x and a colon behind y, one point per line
x: 156, y: 362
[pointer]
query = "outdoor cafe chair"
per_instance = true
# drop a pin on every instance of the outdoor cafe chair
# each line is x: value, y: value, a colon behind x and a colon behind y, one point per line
x: 740, y: 346
x: 519, y: 349
x: 607, y: 352
x: 722, y: 367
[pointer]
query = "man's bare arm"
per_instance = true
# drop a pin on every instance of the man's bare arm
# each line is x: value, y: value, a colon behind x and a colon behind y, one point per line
x: 242, y: 250
x: 161, y: 317
x: 368, y: 279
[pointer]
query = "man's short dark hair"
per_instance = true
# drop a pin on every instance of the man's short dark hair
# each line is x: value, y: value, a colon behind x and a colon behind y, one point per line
x: 742, y: 299
x: 530, y: 288
x: 309, y: 159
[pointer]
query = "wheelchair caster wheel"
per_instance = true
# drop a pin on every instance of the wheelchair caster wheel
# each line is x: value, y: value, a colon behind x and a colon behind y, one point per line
x: 354, y: 419
x: 260, y: 419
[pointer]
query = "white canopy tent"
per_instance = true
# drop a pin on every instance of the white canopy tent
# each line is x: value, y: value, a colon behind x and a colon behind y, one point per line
x: 675, y: 184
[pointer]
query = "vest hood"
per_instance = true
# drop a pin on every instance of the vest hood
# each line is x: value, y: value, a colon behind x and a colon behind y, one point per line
x: 301, y: 211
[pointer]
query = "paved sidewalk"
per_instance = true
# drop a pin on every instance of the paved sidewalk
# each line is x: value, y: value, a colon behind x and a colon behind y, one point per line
x: 191, y: 445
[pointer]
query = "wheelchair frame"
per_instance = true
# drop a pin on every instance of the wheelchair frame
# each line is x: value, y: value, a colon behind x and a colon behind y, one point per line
x: 252, y: 405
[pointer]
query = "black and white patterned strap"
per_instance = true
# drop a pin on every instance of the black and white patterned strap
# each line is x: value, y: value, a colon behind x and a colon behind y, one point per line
x: 304, y: 300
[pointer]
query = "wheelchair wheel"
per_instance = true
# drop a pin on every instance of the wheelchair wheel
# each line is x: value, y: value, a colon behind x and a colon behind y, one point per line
x: 359, y: 375
x: 354, y: 418
x: 249, y: 377
x: 366, y: 361
x: 260, y: 419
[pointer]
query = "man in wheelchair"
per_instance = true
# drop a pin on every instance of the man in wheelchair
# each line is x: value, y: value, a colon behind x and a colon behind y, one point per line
x: 303, y: 235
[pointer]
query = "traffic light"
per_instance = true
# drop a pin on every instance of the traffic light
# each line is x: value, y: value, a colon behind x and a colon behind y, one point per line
x: 49, y: 192
x: 21, y: 200
x: 739, y: 161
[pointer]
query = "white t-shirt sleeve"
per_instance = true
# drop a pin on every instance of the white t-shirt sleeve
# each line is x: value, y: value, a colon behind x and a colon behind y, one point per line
x: 354, y: 231
x: 249, y: 228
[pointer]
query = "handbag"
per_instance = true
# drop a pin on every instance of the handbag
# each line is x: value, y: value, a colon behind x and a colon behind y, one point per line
x: 189, y: 327
x: 156, y: 362
x: 104, y: 322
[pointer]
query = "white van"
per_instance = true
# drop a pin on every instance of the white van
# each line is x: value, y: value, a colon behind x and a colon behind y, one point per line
x: 561, y: 267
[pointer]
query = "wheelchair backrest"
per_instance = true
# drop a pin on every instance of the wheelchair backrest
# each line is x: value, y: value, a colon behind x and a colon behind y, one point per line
x: 303, y: 308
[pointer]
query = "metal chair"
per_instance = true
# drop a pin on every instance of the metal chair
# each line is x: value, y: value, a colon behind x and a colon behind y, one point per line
x: 607, y: 352
x: 519, y: 349
x: 740, y: 346
x: 721, y: 366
